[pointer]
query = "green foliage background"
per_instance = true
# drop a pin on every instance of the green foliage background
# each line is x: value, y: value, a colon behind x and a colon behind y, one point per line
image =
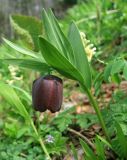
x: 105, y: 24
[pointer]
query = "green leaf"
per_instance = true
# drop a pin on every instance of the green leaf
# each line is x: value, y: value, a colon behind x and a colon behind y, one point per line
x: 104, y: 141
x: 125, y: 71
x: 117, y: 66
x: 63, y: 122
x: 11, y: 97
x: 98, y: 82
x: 59, y: 143
x: 107, y: 71
x: 74, y: 152
x: 28, y: 27
x: 30, y: 64
x: 117, y: 111
x: 26, y: 95
x: 86, y: 120
x: 80, y: 56
x: 20, y: 49
x: 72, y: 50
x: 55, y: 35
x: 116, y: 78
x: 121, y: 140
x: 11, y: 129
x: 55, y: 59
x: 89, y: 154
x: 100, y: 151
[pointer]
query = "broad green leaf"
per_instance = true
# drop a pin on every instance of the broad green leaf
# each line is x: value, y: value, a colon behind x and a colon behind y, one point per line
x: 54, y: 58
x: 30, y: 64
x: 20, y: 49
x: 28, y: 27
x: 117, y: 66
x: 11, y: 97
x: 56, y: 37
x: 88, y: 151
x: 125, y: 71
x: 81, y: 59
x: 74, y: 52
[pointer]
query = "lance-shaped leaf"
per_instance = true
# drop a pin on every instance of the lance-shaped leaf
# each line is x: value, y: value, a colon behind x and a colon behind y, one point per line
x: 56, y: 37
x: 71, y: 49
x: 29, y: 63
x: 11, y: 97
x: 81, y: 59
x: 54, y: 58
x: 89, y: 154
x: 20, y: 49
x: 25, y: 94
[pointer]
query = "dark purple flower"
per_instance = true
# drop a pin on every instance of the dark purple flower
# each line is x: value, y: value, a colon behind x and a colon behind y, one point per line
x: 47, y: 93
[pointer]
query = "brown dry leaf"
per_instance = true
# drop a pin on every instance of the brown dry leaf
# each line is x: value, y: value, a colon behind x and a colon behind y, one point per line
x: 78, y: 97
x: 70, y: 156
x: 78, y: 109
x: 96, y: 127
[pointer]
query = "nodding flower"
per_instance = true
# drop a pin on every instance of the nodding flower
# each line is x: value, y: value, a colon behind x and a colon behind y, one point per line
x: 47, y: 93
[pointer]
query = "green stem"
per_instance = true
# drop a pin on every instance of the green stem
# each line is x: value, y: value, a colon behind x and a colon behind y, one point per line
x: 98, y: 112
x: 40, y: 141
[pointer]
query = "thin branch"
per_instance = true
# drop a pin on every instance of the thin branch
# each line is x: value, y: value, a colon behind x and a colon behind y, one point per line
x: 89, y: 142
x: 83, y: 137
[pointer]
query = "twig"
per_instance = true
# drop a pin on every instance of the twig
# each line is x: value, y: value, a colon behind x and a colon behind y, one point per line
x: 83, y: 137
x: 89, y: 142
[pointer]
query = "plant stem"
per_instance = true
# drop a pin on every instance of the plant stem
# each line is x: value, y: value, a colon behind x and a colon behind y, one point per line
x: 40, y: 141
x: 98, y: 112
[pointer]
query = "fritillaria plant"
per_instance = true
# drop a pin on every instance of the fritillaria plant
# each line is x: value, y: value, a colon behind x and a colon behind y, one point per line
x: 69, y: 55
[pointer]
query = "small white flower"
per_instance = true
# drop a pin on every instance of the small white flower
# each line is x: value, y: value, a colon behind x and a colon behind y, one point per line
x: 49, y: 139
